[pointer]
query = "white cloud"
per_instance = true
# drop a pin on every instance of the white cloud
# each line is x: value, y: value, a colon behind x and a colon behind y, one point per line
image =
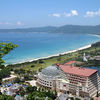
x: 19, y: 23
x: 72, y: 13
x: 55, y: 15
x: 92, y: 13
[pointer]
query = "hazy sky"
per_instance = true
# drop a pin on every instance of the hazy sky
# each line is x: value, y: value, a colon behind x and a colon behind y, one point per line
x: 36, y: 13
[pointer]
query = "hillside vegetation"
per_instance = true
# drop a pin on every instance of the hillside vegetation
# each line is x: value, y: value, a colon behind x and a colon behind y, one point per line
x: 75, y: 29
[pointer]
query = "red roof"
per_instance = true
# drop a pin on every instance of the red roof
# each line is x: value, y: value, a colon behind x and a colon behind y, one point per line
x: 96, y: 98
x: 77, y: 70
x: 70, y: 62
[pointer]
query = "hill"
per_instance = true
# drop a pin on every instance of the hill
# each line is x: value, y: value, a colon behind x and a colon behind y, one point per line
x: 62, y: 29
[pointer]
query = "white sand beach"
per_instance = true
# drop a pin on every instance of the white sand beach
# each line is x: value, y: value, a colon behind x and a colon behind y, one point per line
x: 81, y: 48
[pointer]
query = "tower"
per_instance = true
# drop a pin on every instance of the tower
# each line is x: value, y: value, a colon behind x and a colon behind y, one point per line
x: 84, y: 57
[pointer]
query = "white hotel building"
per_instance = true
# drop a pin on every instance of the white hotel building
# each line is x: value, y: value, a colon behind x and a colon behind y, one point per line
x: 76, y: 80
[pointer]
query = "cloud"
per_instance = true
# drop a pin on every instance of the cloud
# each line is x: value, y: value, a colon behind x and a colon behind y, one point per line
x: 19, y: 23
x: 55, y: 15
x: 5, y: 23
x: 72, y: 13
x: 92, y: 13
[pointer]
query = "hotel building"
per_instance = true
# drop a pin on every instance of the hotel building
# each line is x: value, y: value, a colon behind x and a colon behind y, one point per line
x: 79, y: 81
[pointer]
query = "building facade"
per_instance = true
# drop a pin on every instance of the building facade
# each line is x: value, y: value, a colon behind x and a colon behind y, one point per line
x: 68, y: 78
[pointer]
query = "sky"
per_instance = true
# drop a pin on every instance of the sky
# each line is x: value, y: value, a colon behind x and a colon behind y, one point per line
x: 38, y: 13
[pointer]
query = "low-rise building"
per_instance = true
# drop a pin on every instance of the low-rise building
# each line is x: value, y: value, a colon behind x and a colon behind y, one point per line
x: 63, y: 97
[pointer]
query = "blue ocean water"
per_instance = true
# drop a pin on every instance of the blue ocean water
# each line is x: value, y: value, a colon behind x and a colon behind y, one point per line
x: 37, y: 45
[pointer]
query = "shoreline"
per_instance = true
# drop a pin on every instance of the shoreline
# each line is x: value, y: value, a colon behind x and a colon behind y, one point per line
x: 55, y: 55
x: 96, y: 35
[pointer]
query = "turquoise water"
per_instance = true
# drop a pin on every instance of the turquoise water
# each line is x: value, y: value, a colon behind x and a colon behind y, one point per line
x: 37, y: 45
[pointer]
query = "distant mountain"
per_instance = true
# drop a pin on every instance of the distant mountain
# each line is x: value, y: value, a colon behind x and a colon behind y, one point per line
x: 62, y: 29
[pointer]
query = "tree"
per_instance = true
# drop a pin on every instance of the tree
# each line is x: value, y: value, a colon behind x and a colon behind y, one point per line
x: 97, y: 95
x: 29, y: 89
x: 5, y: 48
x: 32, y: 65
x: 5, y: 72
x: 71, y: 98
x: 19, y: 71
x: 17, y: 80
x: 77, y: 99
x: 5, y: 97
x: 39, y: 94
x: 41, y: 61
x: 22, y: 91
x: 26, y: 77
x: 91, y: 99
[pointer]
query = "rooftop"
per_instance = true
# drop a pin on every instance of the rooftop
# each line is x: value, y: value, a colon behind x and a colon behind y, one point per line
x: 77, y: 70
x: 63, y: 97
x: 70, y: 62
x: 96, y: 98
x: 51, y: 71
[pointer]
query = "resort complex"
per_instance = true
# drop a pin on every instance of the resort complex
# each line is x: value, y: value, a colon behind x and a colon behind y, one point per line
x: 50, y: 50
x: 68, y: 78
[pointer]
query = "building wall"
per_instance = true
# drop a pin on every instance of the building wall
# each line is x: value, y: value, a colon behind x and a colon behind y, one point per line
x: 78, y: 85
x: 93, y: 84
x: 43, y: 80
x: 62, y: 86
x: 83, y: 86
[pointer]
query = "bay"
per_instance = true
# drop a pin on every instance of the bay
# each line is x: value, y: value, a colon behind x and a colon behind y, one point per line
x: 36, y: 45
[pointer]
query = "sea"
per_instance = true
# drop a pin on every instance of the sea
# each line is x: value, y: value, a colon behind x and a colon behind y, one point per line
x: 38, y: 45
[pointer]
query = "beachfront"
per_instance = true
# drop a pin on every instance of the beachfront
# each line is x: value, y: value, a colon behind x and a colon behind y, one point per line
x: 55, y: 55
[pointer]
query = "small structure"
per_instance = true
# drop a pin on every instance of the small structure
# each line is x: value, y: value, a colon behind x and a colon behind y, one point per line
x: 11, y: 90
x: 9, y: 79
x: 95, y: 58
x: 63, y: 97
x: 84, y: 57
x: 18, y: 97
x: 32, y: 82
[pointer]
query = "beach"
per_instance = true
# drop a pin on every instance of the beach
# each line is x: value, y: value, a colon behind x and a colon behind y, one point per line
x: 81, y: 48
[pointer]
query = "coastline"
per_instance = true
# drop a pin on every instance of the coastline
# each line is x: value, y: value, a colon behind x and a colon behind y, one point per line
x: 96, y: 35
x: 55, y: 55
